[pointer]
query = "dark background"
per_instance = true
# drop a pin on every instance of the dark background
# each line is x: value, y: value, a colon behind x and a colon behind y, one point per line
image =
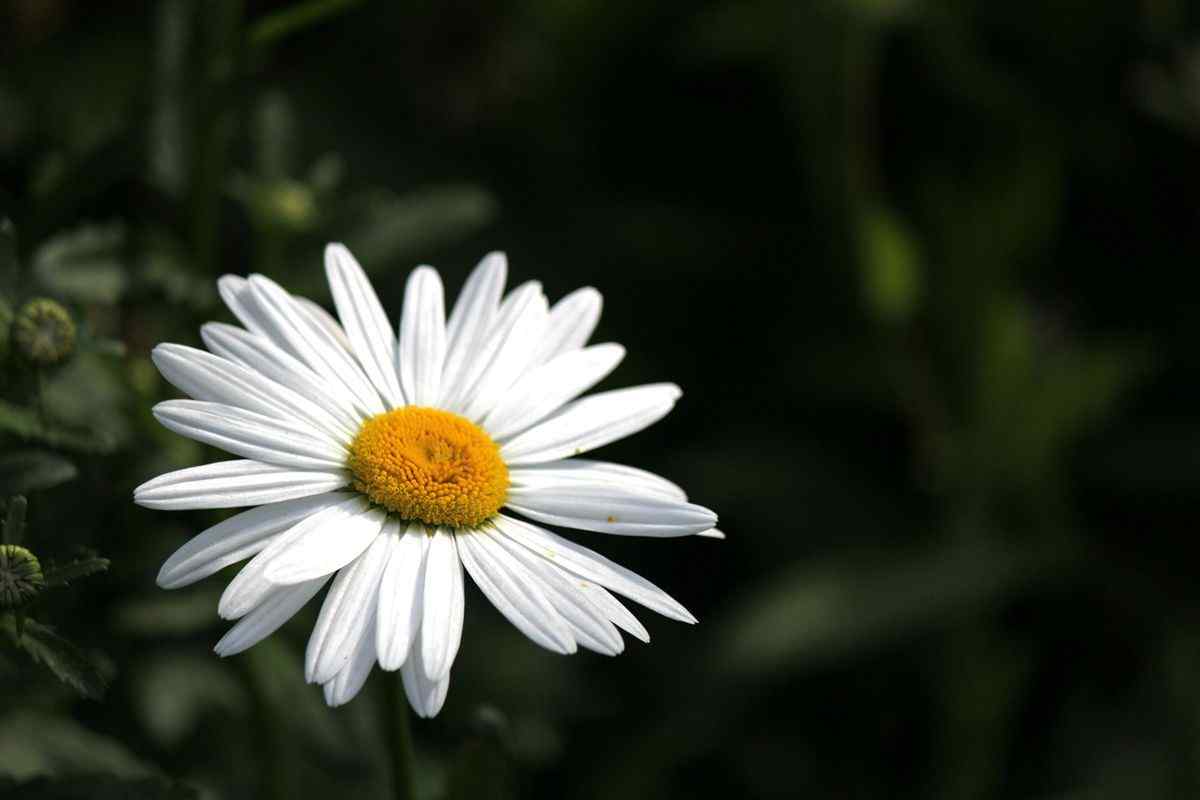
x: 923, y: 270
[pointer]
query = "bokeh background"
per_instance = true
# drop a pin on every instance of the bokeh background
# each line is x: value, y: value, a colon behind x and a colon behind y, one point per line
x: 922, y: 268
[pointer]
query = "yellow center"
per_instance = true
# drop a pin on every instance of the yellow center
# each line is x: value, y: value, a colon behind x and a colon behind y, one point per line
x: 429, y: 465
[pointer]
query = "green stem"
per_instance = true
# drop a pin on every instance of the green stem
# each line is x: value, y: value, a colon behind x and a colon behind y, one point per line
x: 399, y: 740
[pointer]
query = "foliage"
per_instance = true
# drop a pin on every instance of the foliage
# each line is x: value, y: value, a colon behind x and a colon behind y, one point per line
x: 919, y: 268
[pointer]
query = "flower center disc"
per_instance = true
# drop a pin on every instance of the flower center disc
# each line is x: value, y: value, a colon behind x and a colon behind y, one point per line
x: 429, y: 465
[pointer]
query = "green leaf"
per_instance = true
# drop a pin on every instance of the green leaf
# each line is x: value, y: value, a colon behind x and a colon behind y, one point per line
x: 25, y: 424
x: 891, y: 265
x: 817, y: 614
x: 84, y: 264
x: 34, y: 743
x: 80, y: 568
x: 174, y: 693
x: 68, y: 663
x: 26, y: 471
x: 169, y: 614
x: 393, y: 227
x: 295, y: 18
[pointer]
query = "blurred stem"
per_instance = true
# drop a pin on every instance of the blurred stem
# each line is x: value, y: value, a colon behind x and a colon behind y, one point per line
x: 399, y: 740
x: 220, y: 32
x: 274, y: 778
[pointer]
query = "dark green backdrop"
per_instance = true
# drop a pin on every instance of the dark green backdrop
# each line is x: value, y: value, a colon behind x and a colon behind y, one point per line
x: 923, y: 270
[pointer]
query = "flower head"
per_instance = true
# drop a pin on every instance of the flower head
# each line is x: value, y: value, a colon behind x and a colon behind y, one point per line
x: 43, y: 332
x: 21, y: 576
x: 385, y: 464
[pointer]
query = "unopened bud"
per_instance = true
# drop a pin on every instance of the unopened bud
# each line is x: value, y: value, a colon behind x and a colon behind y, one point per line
x: 20, y: 576
x: 43, y: 332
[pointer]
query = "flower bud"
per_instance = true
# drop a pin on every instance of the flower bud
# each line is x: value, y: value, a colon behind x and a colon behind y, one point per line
x: 20, y: 576
x: 43, y: 332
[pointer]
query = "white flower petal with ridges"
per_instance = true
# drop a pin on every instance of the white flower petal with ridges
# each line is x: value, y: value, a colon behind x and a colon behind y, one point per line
x: 572, y: 321
x: 280, y: 605
x: 204, y: 376
x: 472, y: 318
x: 368, y: 332
x: 442, y: 605
x: 584, y: 472
x: 250, y: 586
x: 251, y: 435
x: 592, y: 566
x: 239, y: 538
x: 400, y: 593
x: 516, y: 334
x: 234, y: 484
x: 425, y: 694
x: 296, y: 332
x: 543, y: 390
x: 345, y: 614
x: 262, y: 355
x: 515, y: 592
x: 589, y: 625
x: 592, y: 422
x: 422, y: 351
x: 480, y: 366
x: 610, y: 509
x: 350, y: 680
x: 320, y: 551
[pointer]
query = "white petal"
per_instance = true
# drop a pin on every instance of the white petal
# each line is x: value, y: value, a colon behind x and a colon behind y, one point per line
x: 323, y: 319
x: 279, y: 606
x: 610, y: 509
x: 543, y: 390
x: 592, y: 566
x: 423, y: 337
x: 250, y: 586
x: 346, y: 685
x: 566, y: 592
x: 234, y: 484
x: 238, y: 538
x: 295, y: 331
x: 472, y: 318
x: 516, y: 333
x: 425, y: 695
x: 234, y: 290
x: 488, y: 344
x: 617, y: 613
x: 712, y: 533
x: 205, y: 376
x: 572, y: 321
x: 514, y: 591
x: 251, y: 435
x: 261, y: 355
x: 442, y: 605
x: 581, y: 471
x: 400, y: 593
x: 345, y: 614
x: 592, y: 422
x: 326, y: 548
x: 370, y: 335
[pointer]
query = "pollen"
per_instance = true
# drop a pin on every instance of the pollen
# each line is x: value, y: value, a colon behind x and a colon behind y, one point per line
x: 429, y: 465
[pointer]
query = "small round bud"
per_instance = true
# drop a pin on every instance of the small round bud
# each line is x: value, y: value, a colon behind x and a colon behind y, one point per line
x: 20, y: 576
x: 43, y: 332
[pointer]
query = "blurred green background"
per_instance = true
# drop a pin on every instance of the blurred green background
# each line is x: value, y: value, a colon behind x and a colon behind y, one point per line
x: 922, y: 268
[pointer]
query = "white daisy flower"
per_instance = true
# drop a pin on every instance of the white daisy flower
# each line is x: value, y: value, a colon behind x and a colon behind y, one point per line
x: 389, y: 463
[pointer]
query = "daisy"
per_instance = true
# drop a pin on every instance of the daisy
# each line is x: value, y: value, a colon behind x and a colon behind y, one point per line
x: 384, y: 465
